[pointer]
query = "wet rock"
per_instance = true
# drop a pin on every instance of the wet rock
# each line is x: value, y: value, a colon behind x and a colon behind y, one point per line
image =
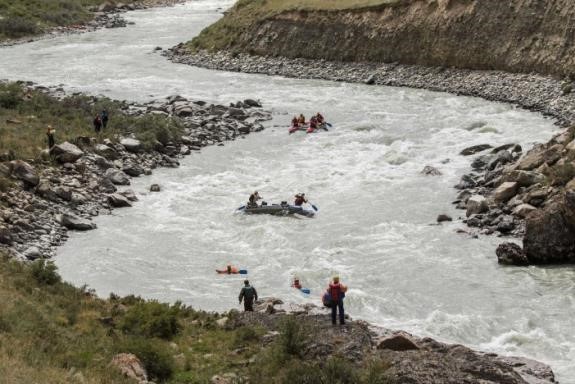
x: 513, y: 148
x: 252, y: 103
x: 107, y: 152
x: 476, y: 204
x: 475, y: 149
x: 370, y: 80
x: 506, y: 224
x: 131, y: 145
x: 102, y: 162
x: 66, y: 152
x: 25, y: 172
x: 133, y: 170
x: 398, y: 342
x: 32, y: 253
x: 107, y: 186
x: 118, y: 201
x: 129, y: 194
x: 74, y: 222
x: 130, y: 366
x: 155, y: 188
x: 524, y: 178
x: 511, y: 254
x: 501, y: 158
x: 430, y: 171
x: 482, y: 161
x: 466, y: 182
x: 442, y: 218
x: 117, y: 177
x: 505, y: 191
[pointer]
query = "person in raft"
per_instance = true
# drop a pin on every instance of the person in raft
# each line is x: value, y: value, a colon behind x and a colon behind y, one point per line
x: 296, y: 284
x: 299, y: 199
x: 231, y: 270
x: 248, y: 294
x: 337, y: 293
x: 295, y: 122
x: 253, y: 200
x: 301, y: 119
x: 313, y: 124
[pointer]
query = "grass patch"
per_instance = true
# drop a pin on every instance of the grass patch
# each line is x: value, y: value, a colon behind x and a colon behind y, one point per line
x: 25, y: 115
x: 21, y: 18
x: 226, y: 34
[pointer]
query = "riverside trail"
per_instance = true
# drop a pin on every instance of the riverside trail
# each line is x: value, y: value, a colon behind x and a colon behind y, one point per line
x: 376, y: 209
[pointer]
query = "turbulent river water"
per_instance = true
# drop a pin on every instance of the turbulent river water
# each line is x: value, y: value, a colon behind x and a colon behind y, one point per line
x: 375, y: 226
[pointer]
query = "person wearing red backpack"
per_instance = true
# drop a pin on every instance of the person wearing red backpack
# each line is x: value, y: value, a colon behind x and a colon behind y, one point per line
x: 337, y: 293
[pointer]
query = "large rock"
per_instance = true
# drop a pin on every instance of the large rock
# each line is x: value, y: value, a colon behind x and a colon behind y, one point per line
x: 524, y: 178
x: 532, y: 159
x: 117, y: 177
x: 398, y: 342
x: 476, y: 204
x: 252, y: 103
x: 25, y: 172
x: 106, y: 152
x: 6, y: 236
x: 523, y: 210
x: 475, y: 149
x: 66, y: 152
x: 133, y: 169
x: 74, y: 222
x: 430, y: 171
x: 118, y: 201
x: 107, y: 186
x: 511, y: 254
x: 132, y: 145
x: 550, y: 232
x: 32, y: 253
x: 130, y: 366
x: 505, y: 191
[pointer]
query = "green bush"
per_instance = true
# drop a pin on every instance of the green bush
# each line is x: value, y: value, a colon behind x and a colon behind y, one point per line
x: 292, y: 338
x: 152, y: 319
x: 10, y: 96
x: 302, y: 373
x: 15, y: 27
x: 339, y: 371
x: 245, y: 335
x: 155, y: 356
x: 45, y: 273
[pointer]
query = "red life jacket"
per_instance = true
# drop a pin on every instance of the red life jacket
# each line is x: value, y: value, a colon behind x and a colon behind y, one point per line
x: 335, y: 291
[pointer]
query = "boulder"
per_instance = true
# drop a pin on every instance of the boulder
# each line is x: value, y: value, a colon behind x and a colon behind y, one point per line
x: 475, y: 149
x: 25, y: 172
x: 131, y: 145
x: 513, y: 148
x: 106, y: 152
x: 74, y: 222
x: 6, y: 236
x: 155, y: 188
x: 524, y: 178
x: 102, y: 162
x: 501, y: 158
x: 481, y: 162
x: 550, y: 232
x: 133, y: 169
x: 505, y: 191
x: 252, y: 103
x: 45, y: 190
x: 399, y: 342
x: 466, y: 182
x: 32, y: 253
x: 442, y: 218
x: 130, y: 366
x: 511, y: 254
x: 476, y: 204
x: 66, y: 152
x: 118, y: 201
x: 430, y: 171
x: 523, y: 210
x: 117, y: 177
x: 107, y: 186
x: 129, y: 194
x: 506, y: 224
x: 533, y: 159
x: 64, y: 193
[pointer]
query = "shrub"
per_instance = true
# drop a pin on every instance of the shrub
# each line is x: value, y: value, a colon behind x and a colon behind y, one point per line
x: 10, y: 96
x: 245, y: 335
x: 302, y: 373
x: 155, y: 356
x: 16, y: 27
x: 45, y: 273
x: 339, y: 371
x: 292, y: 337
x: 376, y: 373
x: 152, y: 319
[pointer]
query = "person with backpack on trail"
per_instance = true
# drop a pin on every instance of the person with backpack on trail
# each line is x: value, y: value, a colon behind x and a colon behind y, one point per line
x: 336, y: 292
x: 97, y: 123
x: 248, y: 294
x: 105, y: 118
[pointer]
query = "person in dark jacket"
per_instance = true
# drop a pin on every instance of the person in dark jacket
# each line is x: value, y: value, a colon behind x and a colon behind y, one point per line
x: 337, y: 293
x: 253, y: 200
x: 50, y: 135
x: 248, y: 294
x: 105, y: 118
x: 97, y: 123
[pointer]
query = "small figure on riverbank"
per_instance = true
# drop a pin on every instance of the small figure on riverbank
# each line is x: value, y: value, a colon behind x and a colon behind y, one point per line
x: 253, y: 200
x: 299, y: 199
x: 248, y: 294
x: 105, y: 118
x: 337, y: 294
x: 50, y: 136
x: 97, y: 123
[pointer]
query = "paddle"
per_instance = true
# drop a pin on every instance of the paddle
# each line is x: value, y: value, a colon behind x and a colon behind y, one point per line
x: 242, y: 207
x: 329, y: 125
x: 306, y: 291
x: 243, y: 271
x: 313, y: 206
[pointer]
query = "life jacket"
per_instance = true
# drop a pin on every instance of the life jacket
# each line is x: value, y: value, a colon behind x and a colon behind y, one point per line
x: 301, y: 120
x: 299, y: 200
x: 295, y: 123
x: 297, y: 284
x: 335, y: 291
x: 313, y: 124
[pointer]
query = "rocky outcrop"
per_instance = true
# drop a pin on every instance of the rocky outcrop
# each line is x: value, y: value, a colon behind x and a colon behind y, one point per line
x: 24, y: 172
x: 130, y: 366
x: 66, y: 152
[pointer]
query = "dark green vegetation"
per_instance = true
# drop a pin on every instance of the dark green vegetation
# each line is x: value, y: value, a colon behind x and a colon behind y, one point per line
x: 25, y: 115
x: 20, y: 18
x: 52, y: 332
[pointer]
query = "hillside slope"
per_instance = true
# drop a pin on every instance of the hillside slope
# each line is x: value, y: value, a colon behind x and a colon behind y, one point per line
x: 515, y: 35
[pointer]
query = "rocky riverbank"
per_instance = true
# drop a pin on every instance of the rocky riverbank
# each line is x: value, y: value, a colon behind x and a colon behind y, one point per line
x: 78, y: 180
x: 107, y: 15
x: 508, y: 193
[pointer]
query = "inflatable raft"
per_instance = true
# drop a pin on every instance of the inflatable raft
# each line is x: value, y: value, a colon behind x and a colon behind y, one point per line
x: 278, y: 210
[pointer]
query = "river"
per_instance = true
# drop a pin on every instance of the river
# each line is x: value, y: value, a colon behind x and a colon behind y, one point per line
x: 376, y: 222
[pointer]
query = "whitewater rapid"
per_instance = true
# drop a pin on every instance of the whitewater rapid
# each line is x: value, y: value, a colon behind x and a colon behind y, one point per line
x: 376, y: 222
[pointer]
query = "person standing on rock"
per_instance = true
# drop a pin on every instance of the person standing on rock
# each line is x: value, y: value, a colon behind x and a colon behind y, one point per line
x: 97, y: 123
x: 248, y: 294
x: 105, y: 118
x: 337, y: 294
x: 50, y: 135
